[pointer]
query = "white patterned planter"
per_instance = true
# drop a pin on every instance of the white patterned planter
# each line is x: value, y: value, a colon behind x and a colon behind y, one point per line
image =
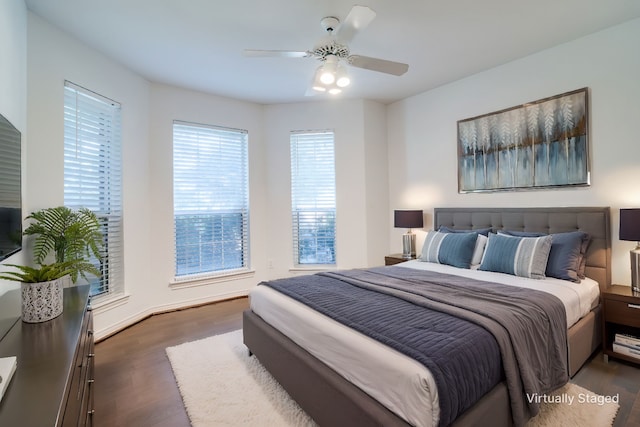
x: 41, y: 301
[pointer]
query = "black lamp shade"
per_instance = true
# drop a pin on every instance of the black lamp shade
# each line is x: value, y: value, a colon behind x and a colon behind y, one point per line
x: 408, y: 219
x: 630, y: 224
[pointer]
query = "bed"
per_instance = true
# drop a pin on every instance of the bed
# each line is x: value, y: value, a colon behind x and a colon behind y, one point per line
x: 331, y: 399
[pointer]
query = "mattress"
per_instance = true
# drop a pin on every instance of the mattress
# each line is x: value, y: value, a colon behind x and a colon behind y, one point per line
x: 403, y: 385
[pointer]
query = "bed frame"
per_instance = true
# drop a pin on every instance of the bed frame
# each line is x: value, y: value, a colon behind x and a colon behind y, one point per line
x: 333, y: 401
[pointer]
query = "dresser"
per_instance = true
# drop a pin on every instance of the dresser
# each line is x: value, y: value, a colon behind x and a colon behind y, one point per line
x: 53, y: 382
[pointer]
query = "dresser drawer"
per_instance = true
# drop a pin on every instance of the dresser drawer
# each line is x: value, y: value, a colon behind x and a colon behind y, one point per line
x: 622, y: 312
x: 79, y: 407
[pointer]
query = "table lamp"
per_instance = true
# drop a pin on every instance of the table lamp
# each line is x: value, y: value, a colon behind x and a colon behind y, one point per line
x: 408, y: 219
x: 630, y: 230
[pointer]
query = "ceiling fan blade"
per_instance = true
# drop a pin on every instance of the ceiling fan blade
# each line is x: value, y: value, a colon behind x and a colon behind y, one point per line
x: 380, y: 65
x: 311, y: 92
x: 358, y: 19
x: 257, y: 53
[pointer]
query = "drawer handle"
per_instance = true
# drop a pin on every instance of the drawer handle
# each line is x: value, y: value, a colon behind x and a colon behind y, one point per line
x: 636, y: 306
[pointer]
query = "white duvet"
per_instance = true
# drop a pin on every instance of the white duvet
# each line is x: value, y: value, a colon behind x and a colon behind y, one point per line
x: 403, y: 385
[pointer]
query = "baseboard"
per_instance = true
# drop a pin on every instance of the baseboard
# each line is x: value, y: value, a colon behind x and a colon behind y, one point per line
x: 105, y: 333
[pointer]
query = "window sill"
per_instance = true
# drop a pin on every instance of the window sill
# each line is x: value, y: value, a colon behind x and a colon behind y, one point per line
x: 100, y: 305
x: 319, y: 267
x: 208, y: 280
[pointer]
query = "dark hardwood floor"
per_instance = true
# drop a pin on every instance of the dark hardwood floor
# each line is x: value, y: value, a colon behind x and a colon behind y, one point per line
x: 134, y: 381
x: 135, y: 385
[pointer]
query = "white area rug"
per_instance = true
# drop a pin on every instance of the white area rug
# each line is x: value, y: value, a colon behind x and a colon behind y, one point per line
x: 222, y: 386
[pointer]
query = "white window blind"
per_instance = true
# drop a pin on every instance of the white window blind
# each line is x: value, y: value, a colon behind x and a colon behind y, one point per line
x: 313, y: 197
x: 93, y: 175
x: 210, y: 200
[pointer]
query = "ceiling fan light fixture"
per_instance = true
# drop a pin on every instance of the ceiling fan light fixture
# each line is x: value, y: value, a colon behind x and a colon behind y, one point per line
x: 342, y: 77
x: 329, y: 70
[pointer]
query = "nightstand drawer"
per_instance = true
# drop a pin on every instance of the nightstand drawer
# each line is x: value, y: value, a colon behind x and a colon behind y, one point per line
x: 622, y: 312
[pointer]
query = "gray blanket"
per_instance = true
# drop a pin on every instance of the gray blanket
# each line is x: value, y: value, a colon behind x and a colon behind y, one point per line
x: 530, y: 326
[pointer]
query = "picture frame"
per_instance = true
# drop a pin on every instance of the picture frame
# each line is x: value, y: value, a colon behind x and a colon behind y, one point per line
x: 541, y: 144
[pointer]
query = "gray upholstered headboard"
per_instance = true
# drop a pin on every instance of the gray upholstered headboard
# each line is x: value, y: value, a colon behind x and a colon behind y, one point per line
x: 592, y: 220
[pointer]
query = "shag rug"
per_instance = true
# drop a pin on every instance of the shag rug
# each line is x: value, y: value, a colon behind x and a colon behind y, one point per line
x: 221, y: 385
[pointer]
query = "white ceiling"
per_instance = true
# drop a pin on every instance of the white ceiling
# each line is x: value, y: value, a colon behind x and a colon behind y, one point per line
x: 198, y: 44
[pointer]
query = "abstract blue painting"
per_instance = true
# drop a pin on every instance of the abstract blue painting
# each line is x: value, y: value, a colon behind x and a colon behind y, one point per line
x: 541, y: 144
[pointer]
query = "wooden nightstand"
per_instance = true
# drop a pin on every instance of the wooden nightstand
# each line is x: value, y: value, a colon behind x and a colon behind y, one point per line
x: 621, y: 316
x: 395, y: 259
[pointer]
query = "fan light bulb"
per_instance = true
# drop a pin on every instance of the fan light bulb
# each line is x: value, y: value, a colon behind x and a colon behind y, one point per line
x: 327, y: 77
x: 335, y: 90
x: 342, y: 78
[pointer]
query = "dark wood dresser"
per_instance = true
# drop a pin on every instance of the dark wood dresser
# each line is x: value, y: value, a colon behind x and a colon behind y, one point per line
x: 53, y: 382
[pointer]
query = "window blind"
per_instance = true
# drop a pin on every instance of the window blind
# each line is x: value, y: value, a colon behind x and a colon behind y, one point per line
x: 93, y: 175
x: 210, y: 200
x: 313, y: 197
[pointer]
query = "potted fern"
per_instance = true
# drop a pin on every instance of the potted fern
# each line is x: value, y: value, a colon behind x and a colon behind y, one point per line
x: 73, y: 237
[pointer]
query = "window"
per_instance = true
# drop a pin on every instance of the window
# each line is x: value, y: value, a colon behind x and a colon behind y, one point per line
x: 93, y: 176
x: 313, y: 197
x: 210, y: 200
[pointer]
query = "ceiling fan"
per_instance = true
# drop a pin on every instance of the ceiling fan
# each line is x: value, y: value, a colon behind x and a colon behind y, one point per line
x: 335, y: 55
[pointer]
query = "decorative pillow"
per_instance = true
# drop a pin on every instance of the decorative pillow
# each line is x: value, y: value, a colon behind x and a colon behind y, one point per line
x: 454, y: 249
x: 481, y: 241
x: 484, y: 231
x: 478, y: 251
x: 567, y: 255
x: 520, y: 256
x: 586, y: 241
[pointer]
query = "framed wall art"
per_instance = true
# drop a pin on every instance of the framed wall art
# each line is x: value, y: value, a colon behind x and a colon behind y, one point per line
x: 542, y: 144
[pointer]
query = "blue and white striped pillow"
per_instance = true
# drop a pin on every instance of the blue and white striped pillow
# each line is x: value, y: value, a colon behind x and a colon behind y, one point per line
x: 454, y: 249
x: 520, y: 256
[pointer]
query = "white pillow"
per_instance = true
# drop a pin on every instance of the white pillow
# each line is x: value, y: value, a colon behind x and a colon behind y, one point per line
x: 478, y: 251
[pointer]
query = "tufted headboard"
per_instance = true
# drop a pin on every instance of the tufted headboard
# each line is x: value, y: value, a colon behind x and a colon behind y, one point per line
x: 592, y: 220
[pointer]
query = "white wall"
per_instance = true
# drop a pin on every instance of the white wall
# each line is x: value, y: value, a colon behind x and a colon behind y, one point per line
x: 169, y: 104
x: 378, y: 213
x: 13, y: 67
x: 353, y: 121
x: 148, y: 112
x: 54, y: 57
x: 13, y: 82
x: 422, y: 130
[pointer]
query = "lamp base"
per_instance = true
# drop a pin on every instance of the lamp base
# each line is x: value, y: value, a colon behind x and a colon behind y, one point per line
x: 635, y: 270
x: 408, y: 245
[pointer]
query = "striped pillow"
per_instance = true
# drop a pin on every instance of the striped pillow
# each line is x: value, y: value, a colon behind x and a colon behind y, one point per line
x: 520, y: 256
x: 454, y: 249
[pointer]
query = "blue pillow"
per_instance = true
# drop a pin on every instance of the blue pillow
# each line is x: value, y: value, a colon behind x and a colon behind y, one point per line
x: 520, y: 256
x: 454, y: 249
x: 484, y: 231
x: 567, y: 255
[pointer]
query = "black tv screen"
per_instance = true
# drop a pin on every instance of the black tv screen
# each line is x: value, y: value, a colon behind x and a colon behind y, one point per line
x: 10, y: 189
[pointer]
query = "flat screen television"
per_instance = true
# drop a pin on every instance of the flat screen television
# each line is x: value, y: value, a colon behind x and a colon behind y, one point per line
x: 10, y: 189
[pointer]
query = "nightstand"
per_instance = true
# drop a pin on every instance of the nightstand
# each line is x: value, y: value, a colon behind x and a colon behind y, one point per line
x: 395, y: 259
x: 621, y: 316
